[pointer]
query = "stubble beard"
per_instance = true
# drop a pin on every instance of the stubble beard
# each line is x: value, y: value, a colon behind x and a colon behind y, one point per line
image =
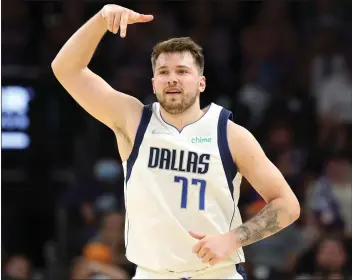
x: 174, y: 107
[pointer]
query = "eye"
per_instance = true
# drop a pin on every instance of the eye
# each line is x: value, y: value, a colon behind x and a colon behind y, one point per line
x: 182, y: 71
x: 163, y: 72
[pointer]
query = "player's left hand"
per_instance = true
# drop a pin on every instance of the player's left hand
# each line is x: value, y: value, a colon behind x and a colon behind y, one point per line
x: 213, y: 249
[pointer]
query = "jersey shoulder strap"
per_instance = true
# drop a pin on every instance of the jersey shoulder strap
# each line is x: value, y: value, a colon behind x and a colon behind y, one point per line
x: 142, y: 127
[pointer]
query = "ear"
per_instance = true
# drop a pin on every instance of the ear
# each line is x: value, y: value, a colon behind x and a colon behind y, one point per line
x: 202, y: 84
x: 153, y: 85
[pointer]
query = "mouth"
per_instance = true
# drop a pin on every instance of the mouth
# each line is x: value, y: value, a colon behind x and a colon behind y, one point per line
x: 173, y: 91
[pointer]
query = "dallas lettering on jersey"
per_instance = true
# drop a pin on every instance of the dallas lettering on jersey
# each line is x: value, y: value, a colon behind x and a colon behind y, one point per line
x: 178, y: 160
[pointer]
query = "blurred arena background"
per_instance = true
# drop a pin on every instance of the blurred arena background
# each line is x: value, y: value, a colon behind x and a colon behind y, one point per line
x: 283, y: 67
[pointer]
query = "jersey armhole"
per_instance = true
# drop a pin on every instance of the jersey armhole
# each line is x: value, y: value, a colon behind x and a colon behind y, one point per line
x: 142, y: 127
x: 228, y: 164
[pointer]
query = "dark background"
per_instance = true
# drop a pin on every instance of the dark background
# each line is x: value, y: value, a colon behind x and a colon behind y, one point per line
x: 283, y: 68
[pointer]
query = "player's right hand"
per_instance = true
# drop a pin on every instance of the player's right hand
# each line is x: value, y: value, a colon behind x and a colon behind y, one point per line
x: 119, y: 17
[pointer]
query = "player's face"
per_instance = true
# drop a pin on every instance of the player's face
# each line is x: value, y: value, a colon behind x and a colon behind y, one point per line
x: 177, y: 82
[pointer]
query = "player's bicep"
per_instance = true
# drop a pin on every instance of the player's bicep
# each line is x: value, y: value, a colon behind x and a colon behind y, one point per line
x: 254, y: 165
x: 99, y: 99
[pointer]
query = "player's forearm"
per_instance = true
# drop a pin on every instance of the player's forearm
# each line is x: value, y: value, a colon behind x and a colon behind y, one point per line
x: 79, y: 49
x: 274, y: 217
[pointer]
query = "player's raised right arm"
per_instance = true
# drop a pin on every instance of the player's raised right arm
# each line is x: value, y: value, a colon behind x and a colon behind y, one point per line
x: 70, y: 67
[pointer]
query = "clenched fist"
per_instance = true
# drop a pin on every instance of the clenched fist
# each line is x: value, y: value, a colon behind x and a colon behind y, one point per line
x: 212, y: 249
x: 119, y: 17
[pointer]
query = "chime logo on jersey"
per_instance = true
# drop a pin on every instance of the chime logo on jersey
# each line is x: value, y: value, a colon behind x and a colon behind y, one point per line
x: 178, y: 160
x: 200, y: 140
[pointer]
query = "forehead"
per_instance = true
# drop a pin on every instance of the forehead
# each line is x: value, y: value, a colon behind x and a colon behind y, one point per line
x: 175, y: 59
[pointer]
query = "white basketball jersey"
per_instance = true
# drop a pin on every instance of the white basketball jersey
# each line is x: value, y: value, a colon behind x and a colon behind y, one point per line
x: 175, y: 182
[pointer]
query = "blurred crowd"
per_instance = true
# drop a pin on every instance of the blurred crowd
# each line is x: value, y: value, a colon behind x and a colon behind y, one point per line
x: 283, y: 67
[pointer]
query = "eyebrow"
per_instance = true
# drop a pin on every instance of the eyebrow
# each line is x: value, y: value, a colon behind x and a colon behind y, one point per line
x: 178, y: 66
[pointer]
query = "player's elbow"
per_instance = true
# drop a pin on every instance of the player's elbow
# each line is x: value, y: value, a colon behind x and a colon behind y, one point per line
x: 63, y: 69
x: 294, y: 208
x: 56, y: 68
x: 53, y: 65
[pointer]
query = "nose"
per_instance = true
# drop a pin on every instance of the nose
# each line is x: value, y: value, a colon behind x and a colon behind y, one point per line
x: 173, y: 83
x: 172, y: 79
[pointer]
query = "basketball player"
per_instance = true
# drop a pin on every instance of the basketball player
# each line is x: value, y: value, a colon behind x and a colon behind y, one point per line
x: 182, y: 165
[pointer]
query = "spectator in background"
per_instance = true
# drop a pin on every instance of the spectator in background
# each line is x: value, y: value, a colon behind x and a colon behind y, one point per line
x: 329, y: 199
x: 327, y: 58
x: 90, y: 270
x: 329, y: 259
x: 106, y: 251
x: 278, y: 40
x: 89, y: 218
x: 265, y: 67
x: 89, y: 202
x: 294, y: 104
x: 336, y: 140
x: 109, y: 177
x: 281, y: 147
x: 82, y: 226
x: 253, y: 97
x: 332, y: 260
x: 80, y: 269
x: 17, y: 267
x: 334, y: 99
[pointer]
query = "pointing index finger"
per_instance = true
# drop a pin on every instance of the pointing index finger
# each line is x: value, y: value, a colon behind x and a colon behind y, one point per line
x: 146, y: 18
x: 136, y: 17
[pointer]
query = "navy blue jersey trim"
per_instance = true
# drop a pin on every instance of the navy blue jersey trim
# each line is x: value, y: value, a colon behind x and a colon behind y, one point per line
x: 240, y: 271
x: 143, y: 124
x: 224, y: 149
x: 142, y: 127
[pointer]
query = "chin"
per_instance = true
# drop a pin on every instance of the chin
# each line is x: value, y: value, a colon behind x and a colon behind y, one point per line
x: 176, y: 104
x: 173, y: 108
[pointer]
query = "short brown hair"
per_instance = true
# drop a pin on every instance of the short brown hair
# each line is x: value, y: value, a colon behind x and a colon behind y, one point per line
x: 182, y: 45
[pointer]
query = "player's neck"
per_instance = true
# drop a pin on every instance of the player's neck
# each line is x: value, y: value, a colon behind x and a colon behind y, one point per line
x: 179, y: 121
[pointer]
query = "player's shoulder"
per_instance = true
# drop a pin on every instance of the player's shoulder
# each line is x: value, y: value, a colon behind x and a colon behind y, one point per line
x: 234, y: 130
x: 242, y: 143
x: 237, y: 133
